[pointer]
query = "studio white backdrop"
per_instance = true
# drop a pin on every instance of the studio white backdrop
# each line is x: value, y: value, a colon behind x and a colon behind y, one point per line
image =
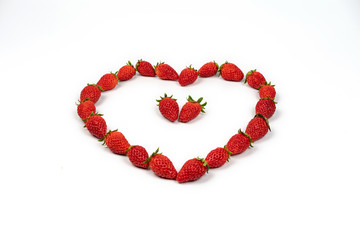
x: 301, y: 181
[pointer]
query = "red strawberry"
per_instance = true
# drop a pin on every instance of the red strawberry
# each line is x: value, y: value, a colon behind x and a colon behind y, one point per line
x: 116, y: 142
x: 188, y: 76
x: 231, y: 72
x: 266, y: 107
x: 257, y: 127
x: 239, y: 143
x: 161, y: 165
x: 191, y: 109
x: 218, y: 157
x: 85, y: 108
x: 92, y: 92
x: 208, y: 69
x: 192, y: 170
x: 137, y: 156
x: 165, y: 72
x: 255, y: 79
x: 108, y: 81
x: 126, y: 72
x: 96, y: 125
x: 267, y: 91
x: 168, y: 107
x: 145, y: 68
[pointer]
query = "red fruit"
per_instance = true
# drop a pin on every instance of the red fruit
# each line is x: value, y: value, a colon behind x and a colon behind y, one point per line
x: 192, y: 170
x: 91, y: 92
x: 239, y: 143
x: 116, y: 142
x: 85, y: 108
x: 108, y: 81
x: 257, y: 127
x: 231, y: 72
x: 165, y: 72
x: 126, y: 72
x: 191, y: 109
x: 168, y: 107
x: 161, y: 165
x: 137, y: 156
x: 145, y: 68
x: 96, y: 125
x: 255, y: 79
x: 267, y: 91
x: 188, y: 76
x: 208, y: 69
x: 266, y: 107
x: 217, y: 157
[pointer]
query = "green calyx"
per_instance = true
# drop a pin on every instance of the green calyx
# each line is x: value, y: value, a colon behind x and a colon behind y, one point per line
x: 263, y: 117
x: 165, y: 96
x: 227, y: 150
x: 247, y: 135
x: 267, y: 97
x: 158, y: 63
x: 137, y: 64
x: 248, y: 74
x: 106, y: 134
x: 190, y: 99
x: 100, y: 88
x: 267, y: 84
x: 205, y: 164
x: 152, y: 155
x: 91, y: 114
x: 221, y: 66
x: 190, y: 67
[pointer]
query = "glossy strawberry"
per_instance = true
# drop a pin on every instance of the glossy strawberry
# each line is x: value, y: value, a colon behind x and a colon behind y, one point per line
x: 208, y: 69
x: 188, y: 76
x: 96, y: 125
x: 231, y: 72
x: 168, y: 107
x: 108, y: 81
x: 126, y: 72
x: 145, y: 68
x: 91, y: 92
x: 257, y: 127
x: 239, y: 143
x: 192, y: 170
x: 218, y: 157
x: 191, y: 109
x: 267, y: 91
x: 266, y: 107
x: 137, y: 156
x: 255, y: 79
x: 161, y: 165
x: 116, y: 142
x: 85, y: 108
x: 166, y: 72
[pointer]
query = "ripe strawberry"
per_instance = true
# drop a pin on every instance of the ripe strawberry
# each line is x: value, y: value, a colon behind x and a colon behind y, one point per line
x: 267, y: 91
x: 137, y: 156
x: 255, y: 79
x: 92, y: 92
x: 188, y: 76
x: 108, y: 81
x: 192, y: 170
x: 145, y: 68
x: 208, y: 69
x: 168, y: 107
x: 126, y: 72
x: 85, y: 108
x: 266, y: 107
x: 218, y: 157
x: 231, y: 72
x: 161, y: 165
x: 239, y: 143
x: 116, y: 142
x: 96, y: 125
x: 191, y: 109
x: 165, y: 72
x: 257, y: 127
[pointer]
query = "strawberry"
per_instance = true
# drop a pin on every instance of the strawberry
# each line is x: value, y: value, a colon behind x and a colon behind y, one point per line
x: 218, y: 157
x: 85, y: 108
x: 267, y: 91
x: 231, y: 72
x: 188, y: 76
x: 208, y: 69
x: 165, y: 72
x: 168, y: 107
x: 91, y: 92
x: 191, y: 109
x: 116, y: 142
x: 266, y: 107
x: 137, y: 156
x: 192, y: 170
x: 145, y: 68
x: 161, y: 165
x: 108, y: 81
x: 96, y: 125
x: 126, y: 72
x: 239, y: 143
x: 255, y: 79
x: 257, y: 127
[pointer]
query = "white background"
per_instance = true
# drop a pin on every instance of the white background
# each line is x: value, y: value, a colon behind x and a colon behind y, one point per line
x: 301, y: 181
